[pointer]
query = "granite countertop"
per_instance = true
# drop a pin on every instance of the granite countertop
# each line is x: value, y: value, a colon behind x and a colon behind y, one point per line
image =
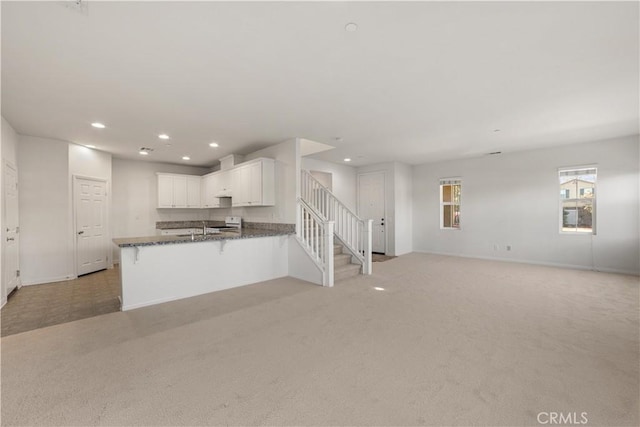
x: 245, y: 233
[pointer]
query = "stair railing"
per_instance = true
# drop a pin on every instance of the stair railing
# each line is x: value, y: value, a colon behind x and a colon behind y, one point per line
x: 353, y: 232
x: 316, y: 237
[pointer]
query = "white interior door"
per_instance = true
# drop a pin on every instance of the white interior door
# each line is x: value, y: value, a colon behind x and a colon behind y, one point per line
x: 91, y: 229
x: 11, y: 243
x: 371, y: 206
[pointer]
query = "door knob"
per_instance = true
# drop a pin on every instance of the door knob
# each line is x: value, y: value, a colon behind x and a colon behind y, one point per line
x: 80, y: 232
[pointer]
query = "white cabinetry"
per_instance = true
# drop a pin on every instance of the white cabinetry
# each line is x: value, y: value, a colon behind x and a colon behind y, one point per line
x: 208, y: 200
x: 249, y: 184
x: 253, y: 183
x: 178, y: 191
x: 213, y: 185
x: 193, y: 191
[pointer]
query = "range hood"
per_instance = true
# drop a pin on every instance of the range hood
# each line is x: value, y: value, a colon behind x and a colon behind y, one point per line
x: 220, y: 195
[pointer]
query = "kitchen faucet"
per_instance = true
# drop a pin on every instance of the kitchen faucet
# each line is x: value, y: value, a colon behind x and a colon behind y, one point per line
x: 204, y: 228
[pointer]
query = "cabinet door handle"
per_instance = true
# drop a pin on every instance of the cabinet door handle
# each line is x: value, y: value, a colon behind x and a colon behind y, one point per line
x: 10, y: 239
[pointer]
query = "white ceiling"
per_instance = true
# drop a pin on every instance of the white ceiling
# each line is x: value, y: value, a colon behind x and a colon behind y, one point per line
x: 418, y: 81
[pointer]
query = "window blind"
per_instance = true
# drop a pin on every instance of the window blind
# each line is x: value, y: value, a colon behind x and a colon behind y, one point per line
x: 450, y: 181
x: 576, y: 172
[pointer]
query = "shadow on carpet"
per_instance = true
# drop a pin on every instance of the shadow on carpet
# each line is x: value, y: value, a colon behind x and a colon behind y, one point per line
x: 381, y: 258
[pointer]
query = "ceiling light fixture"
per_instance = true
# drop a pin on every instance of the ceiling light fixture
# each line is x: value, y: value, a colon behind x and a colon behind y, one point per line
x: 144, y: 151
x: 351, y: 27
x: 347, y: 159
x: 186, y: 158
x: 377, y: 288
x: 214, y: 145
x: 163, y: 136
x: 98, y: 125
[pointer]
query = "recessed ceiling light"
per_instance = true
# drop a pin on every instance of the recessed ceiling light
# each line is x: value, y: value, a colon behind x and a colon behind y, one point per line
x: 214, y: 145
x: 144, y: 153
x: 186, y: 158
x: 90, y: 146
x: 347, y: 159
x: 163, y: 136
x: 351, y: 27
x: 98, y: 125
x: 377, y: 288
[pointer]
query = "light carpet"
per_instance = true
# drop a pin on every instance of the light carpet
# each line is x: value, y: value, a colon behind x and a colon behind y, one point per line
x: 449, y: 341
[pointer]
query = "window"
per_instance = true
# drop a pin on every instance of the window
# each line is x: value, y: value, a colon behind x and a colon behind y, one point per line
x: 450, y: 189
x: 577, y: 199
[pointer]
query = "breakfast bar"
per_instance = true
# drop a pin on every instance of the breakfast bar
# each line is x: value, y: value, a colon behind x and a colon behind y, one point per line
x: 157, y: 269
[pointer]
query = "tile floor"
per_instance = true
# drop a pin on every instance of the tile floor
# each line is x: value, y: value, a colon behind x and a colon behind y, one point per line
x: 38, y: 306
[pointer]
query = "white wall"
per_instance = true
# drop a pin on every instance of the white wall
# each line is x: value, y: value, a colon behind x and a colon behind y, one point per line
x: 513, y: 199
x: 8, y: 153
x: 344, y: 179
x: 9, y: 142
x: 135, y: 198
x: 403, y: 200
x: 45, y: 223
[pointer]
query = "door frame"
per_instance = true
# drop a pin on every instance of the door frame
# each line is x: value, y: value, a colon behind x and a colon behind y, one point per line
x: 384, y: 202
x: 3, y: 215
x: 74, y: 210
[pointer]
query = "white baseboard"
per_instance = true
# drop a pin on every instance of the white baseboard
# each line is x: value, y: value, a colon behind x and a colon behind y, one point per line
x: 49, y: 280
x: 532, y: 262
x: 147, y: 303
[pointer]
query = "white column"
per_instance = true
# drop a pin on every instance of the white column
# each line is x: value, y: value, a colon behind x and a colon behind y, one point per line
x: 367, y: 268
x: 328, y: 247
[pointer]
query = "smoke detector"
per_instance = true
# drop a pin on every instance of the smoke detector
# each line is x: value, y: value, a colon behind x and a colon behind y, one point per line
x: 79, y: 6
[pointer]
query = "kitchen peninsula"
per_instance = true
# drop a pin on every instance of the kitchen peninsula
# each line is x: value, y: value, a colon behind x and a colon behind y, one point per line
x: 161, y: 268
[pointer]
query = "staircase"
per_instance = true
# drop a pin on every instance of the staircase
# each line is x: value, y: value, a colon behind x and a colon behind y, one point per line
x: 343, y: 268
x: 325, y: 223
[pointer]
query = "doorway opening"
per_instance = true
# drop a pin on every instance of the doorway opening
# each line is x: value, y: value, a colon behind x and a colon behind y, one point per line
x: 10, y: 230
x: 371, y: 205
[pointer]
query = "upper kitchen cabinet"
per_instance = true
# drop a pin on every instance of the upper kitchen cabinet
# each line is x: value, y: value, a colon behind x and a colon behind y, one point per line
x: 216, y: 188
x: 253, y: 183
x: 193, y: 191
x: 178, y: 191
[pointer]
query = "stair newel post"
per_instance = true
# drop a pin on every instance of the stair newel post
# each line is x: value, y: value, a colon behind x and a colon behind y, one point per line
x: 328, y: 253
x: 367, y: 267
x: 299, y: 220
